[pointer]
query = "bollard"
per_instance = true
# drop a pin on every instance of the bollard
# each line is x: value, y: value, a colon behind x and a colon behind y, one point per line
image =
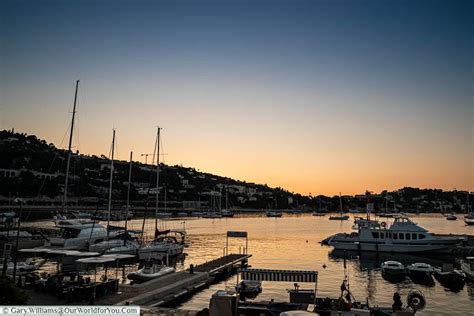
x: 191, y: 269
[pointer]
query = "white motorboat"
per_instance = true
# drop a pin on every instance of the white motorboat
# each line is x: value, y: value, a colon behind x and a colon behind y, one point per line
x: 23, y: 267
x: 392, y: 268
x: 150, y: 271
x: 467, y: 266
x: 420, y: 270
x: 403, y: 236
x: 80, y: 236
x: 161, y: 247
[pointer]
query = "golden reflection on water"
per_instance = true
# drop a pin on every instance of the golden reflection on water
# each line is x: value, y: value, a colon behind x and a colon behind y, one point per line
x: 292, y: 242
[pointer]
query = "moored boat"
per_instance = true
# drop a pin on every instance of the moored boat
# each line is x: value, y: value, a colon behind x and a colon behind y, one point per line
x: 339, y: 217
x: 451, y: 217
x: 449, y: 277
x: 150, y: 271
x: 130, y: 248
x: 160, y: 247
x: 420, y: 271
x: 403, y: 236
x: 227, y: 213
x: 392, y: 268
x: 273, y: 214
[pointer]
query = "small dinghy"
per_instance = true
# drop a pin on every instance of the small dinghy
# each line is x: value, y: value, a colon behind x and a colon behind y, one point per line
x: 421, y: 273
x: 451, y: 217
x: 394, y: 268
x: 449, y: 277
x: 150, y: 271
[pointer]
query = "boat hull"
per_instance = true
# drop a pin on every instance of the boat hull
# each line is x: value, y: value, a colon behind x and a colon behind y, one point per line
x: 140, y: 276
x: 392, y: 247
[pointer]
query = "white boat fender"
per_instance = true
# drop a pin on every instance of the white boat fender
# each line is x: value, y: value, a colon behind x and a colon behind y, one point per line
x: 416, y: 300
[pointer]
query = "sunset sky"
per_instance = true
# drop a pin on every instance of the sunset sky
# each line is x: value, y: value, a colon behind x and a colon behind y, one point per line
x: 313, y: 96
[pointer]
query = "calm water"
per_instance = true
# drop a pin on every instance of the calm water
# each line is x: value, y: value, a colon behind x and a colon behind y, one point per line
x: 291, y: 242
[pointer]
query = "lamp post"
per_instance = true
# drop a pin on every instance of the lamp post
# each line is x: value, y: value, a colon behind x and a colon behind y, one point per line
x: 15, y: 259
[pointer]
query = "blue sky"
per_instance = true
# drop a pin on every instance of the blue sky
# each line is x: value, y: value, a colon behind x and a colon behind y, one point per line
x: 321, y: 96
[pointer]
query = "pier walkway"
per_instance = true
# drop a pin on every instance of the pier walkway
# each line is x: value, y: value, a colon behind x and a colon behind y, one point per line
x: 172, y: 287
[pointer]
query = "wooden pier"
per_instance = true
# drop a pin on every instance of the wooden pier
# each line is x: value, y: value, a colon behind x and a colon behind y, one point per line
x: 175, y: 286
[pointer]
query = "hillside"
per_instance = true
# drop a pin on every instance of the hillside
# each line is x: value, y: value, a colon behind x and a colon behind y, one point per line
x: 35, y: 170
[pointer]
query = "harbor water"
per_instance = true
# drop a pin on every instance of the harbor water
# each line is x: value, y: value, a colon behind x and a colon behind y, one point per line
x: 292, y: 242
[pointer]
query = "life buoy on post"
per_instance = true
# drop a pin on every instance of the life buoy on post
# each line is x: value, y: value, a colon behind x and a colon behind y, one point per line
x: 416, y: 300
x: 383, y: 224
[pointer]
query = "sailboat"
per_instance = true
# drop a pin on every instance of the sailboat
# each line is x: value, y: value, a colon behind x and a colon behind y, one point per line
x: 212, y: 212
x: 71, y: 218
x: 339, y: 217
x: 469, y: 217
x: 320, y: 213
x: 161, y: 245
x: 226, y: 212
x: 110, y: 241
x: 126, y: 245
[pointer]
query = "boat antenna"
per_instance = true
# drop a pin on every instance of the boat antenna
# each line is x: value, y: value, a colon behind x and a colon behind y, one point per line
x: 69, y: 149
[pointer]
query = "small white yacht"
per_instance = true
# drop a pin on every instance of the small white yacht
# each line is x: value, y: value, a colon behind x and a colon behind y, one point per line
x: 403, y: 236
x: 80, y: 236
x: 150, y: 271
x: 392, y: 268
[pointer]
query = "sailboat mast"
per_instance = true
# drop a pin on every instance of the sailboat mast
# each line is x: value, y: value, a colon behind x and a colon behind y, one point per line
x: 226, y: 199
x: 69, y: 149
x: 110, y: 185
x: 128, y: 191
x: 157, y: 176
x: 340, y: 202
x: 165, y: 198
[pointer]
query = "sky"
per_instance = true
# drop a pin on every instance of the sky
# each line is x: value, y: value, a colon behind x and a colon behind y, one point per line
x: 312, y: 96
